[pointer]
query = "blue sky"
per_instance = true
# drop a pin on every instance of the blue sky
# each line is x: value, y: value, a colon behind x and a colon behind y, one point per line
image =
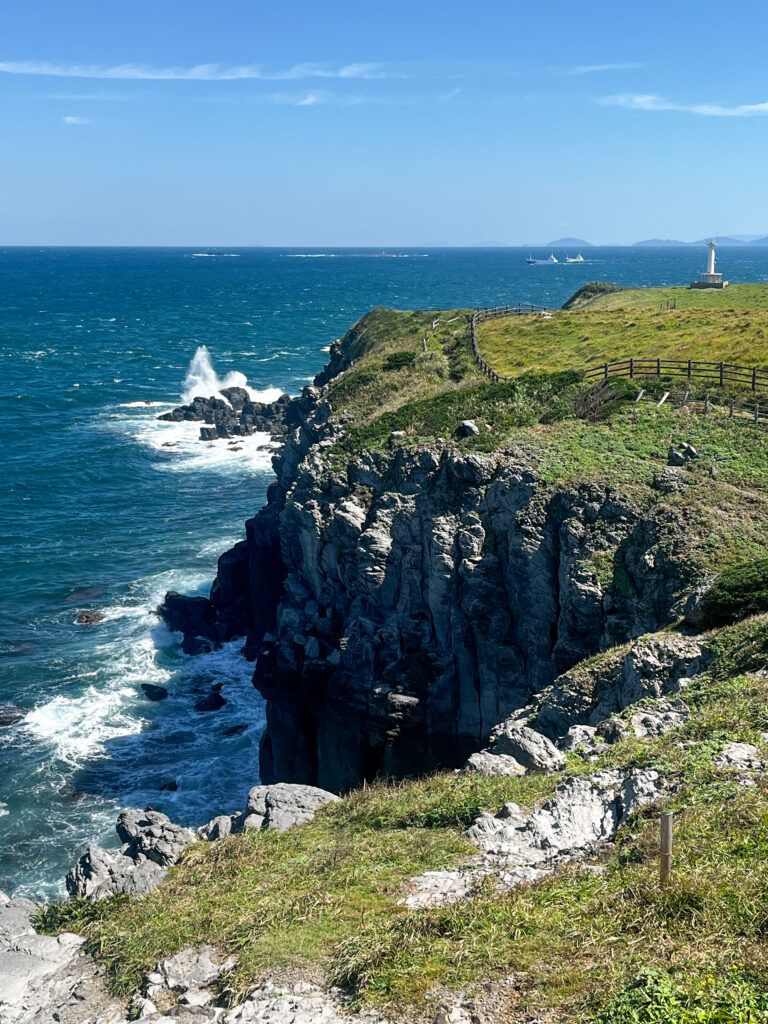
x: 372, y: 123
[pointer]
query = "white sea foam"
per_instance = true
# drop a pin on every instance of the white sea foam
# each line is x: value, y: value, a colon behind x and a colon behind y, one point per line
x: 141, y: 405
x: 203, y: 381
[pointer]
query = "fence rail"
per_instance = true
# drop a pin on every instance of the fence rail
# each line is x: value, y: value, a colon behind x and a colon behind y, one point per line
x: 492, y: 313
x: 722, y: 372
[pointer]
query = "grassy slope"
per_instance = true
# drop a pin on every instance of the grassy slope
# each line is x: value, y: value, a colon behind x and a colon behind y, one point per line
x: 731, y: 325
x: 325, y: 896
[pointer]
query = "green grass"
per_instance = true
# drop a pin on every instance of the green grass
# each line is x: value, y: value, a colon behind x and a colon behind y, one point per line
x: 731, y: 325
x: 324, y: 897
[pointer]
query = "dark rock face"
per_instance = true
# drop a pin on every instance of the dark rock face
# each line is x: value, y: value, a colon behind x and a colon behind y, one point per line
x: 400, y: 609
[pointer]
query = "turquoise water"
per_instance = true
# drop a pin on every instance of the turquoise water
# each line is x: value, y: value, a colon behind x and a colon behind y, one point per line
x: 104, y: 508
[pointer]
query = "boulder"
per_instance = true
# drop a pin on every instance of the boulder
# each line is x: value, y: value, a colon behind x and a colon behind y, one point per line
x: 283, y: 805
x: 279, y: 806
x: 151, y: 844
x: 582, y: 739
x: 212, y: 701
x: 529, y: 748
x: 190, y: 969
x: 467, y: 428
x: 484, y: 762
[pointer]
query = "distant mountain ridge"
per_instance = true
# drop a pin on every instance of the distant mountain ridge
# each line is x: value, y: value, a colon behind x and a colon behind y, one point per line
x: 721, y: 240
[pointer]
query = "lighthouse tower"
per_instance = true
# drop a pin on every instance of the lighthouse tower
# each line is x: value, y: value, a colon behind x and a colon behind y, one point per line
x: 710, y: 279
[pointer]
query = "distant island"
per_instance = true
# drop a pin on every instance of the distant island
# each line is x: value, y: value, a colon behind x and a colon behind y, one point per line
x: 582, y: 243
x: 574, y: 242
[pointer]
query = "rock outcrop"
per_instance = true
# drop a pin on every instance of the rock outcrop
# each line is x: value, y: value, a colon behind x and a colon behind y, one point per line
x: 30, y: 964
x: 151, y: 844
x: 232, y: 413
x: 582, y: 815
x: 652, y: 667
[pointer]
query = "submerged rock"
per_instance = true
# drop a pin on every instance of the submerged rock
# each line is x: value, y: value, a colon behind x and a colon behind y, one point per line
x: 152, y: 692
x: 89, y: 618
x: 10, y: 714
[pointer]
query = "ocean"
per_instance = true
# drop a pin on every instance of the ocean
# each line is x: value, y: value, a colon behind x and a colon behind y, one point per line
x: 104, y: 508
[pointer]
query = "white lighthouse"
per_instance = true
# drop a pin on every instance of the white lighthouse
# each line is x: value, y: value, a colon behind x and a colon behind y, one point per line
x: 710, y: 279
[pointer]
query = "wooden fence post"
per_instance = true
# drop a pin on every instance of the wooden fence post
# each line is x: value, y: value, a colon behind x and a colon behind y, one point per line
x: 665, y: 858
x: 689, y: 368
x: 757, y: 411
x: 730, y: 409
x: 632, y: 367
x: 658, y: 367
x: 605, y: 372
x: 754, y: 378
x: 706, y: 403
x: 721, y: 373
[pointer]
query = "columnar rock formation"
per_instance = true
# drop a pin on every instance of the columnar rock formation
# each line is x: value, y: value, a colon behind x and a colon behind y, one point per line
x: 400, y: 605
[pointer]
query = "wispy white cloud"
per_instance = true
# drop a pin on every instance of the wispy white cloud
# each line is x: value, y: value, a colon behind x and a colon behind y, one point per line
x: 589, y: 69
x: 197, y: 73
x: 72, y: 119
x: 655, y: 102
x: 328, y: 98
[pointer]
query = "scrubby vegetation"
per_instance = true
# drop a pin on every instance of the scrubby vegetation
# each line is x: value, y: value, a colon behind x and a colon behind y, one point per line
x: 589, y: 292
x: 738, y: 591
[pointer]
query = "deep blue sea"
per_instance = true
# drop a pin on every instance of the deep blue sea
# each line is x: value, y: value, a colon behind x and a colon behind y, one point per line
x: 104, y: 508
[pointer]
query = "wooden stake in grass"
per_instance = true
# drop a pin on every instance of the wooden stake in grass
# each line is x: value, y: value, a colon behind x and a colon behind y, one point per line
x: 665, y: 860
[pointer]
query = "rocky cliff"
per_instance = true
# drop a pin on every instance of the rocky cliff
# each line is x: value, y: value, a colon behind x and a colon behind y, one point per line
x: 401, y: 604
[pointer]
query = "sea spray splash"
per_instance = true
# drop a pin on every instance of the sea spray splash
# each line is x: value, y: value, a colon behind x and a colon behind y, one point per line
x: 202, y: 380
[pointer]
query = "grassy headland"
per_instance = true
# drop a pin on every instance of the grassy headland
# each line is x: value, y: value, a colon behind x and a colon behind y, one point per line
x: 605, y: 946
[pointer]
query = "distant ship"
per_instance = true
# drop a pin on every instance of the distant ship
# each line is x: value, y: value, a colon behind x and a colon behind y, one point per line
x: 575, y: 259
x: 541, y: 263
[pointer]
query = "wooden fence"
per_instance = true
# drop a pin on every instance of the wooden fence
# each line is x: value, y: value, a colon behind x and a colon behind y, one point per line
x: 492, y: 313
x: 749, y: 376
